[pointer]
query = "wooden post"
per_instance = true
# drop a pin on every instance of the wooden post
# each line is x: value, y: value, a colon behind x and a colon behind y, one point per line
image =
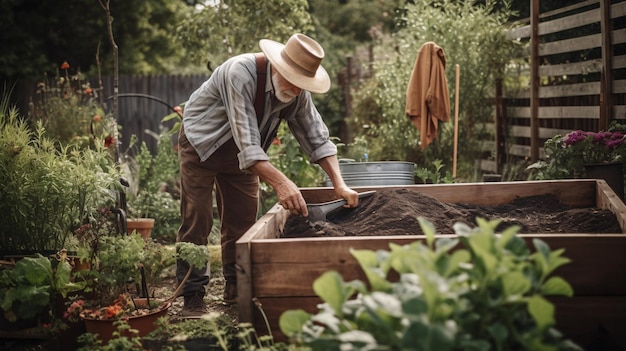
x: 606, y: 90
x: 456, y: 118
x: 534, y: 81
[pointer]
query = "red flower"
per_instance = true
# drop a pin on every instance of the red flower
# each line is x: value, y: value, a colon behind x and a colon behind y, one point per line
x: 109, y: 141
x: 88, y: 91
x: 276, y: 141
x: 97, y: 118
x: 65, y: 65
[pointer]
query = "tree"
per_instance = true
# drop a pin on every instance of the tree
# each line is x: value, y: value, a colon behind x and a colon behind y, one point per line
x: 225, y: 28
x: 38, y: 36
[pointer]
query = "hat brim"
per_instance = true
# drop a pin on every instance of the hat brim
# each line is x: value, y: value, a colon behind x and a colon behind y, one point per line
x: 320, y: 83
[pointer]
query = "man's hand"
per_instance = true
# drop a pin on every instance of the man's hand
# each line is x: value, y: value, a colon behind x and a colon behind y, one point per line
x: 351, y: 196
x: 290, y: 197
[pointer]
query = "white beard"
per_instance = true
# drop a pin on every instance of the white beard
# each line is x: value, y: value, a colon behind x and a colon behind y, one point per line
x: 281, y: 95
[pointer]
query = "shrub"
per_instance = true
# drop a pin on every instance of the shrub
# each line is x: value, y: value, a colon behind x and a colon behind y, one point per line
x: 478, y: 291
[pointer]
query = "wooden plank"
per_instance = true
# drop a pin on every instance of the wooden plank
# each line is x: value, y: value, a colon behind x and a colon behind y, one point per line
x: 545, y: 112
x: 573, y: 21
x: 245, y: 287
x: 574, y: 68
x: 488, y: 166
x: 619, y: 86
x: 606, y: 198
x: 577, y: 89
x: 524, y: 31
x: 544, y: 133
x: 619, y: 111
x: 289, y: 267
x: 485, y: 193
x: 569, y: 45
x: 592, y: 318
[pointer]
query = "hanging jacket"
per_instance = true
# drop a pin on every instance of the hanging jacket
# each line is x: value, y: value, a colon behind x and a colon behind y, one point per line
x: 427, y: 97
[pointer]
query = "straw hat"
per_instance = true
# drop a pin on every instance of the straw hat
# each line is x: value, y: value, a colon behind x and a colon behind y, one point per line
x: 299, y: 62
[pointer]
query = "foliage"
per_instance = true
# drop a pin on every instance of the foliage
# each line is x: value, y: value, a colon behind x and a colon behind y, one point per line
x: 68, y: 108
x: 567, y: 155
x: 472, y: 36
x: 222, y: 29
x: 124, y: 338
x: 117, y: 259
x: 48, y: 189
x: 435, y: 176
x: 44, y: 34
x: 477, y: 291
x: 214, y: 331
x: 153, y: 181
x: 28, y: 288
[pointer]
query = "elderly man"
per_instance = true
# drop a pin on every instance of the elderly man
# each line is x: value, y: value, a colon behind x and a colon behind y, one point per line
x: 228, y: 124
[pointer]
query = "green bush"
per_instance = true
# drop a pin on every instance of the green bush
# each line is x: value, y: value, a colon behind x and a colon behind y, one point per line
x: 153, y: 181
x: 478, y: 291
x: 48, y: 190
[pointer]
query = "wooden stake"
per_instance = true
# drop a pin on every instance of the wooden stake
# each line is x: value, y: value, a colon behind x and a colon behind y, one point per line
x: 456, y: 118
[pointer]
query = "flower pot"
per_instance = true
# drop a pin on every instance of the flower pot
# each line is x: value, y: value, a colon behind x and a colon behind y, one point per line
x: 144, y: 324
x: 612, y: 173
x: 143, y: 226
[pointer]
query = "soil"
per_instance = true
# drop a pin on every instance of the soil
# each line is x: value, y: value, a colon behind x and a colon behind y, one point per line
x: 395, y: 212
x: 213, y: 297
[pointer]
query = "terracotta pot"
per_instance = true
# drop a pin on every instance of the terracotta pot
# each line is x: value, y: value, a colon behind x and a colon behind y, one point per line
x: 144, y: 324
x: 143, y: 226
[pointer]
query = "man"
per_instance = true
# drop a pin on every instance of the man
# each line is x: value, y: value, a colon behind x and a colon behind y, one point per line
x: 222, y: 143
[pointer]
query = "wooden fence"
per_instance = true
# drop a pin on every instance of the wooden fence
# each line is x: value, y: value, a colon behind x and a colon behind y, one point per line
x: 574, y: 66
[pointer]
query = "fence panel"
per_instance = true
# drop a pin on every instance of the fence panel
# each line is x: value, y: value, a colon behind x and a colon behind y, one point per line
x: 580, y: 78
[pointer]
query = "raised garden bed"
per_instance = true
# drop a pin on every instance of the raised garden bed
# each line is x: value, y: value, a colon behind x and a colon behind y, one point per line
x: 278, y: 272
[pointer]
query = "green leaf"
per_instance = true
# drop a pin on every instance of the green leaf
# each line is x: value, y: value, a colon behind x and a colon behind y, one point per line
x: 542, y: 311
x: 369, y: 263
x: 557, y: 286
x: 515, y: 283
x: 292, y: 321
x: 332, y: 289
x: 429, y: 337
x: 429, y: 230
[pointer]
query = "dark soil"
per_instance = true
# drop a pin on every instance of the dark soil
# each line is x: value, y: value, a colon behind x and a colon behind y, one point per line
x: 395, y: 212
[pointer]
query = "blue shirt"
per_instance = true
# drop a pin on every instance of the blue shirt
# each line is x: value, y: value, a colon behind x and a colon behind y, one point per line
x: 223, y: 108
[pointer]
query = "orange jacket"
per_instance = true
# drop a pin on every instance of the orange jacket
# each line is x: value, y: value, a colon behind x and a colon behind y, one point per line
x: 427, y: 97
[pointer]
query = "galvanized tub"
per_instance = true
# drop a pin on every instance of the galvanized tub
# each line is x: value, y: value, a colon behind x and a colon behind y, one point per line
x: 376, y: 173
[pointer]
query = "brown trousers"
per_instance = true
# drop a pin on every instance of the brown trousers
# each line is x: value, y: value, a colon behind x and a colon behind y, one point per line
x: 236, y: 195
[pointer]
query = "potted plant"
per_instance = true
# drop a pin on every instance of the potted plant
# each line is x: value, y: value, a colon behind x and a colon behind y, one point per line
x: 476, y: 291
x: 578, y: 154
x: 124, y: 266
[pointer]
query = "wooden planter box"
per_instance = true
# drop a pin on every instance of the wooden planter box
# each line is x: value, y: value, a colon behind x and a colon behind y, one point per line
x: 278, y: 273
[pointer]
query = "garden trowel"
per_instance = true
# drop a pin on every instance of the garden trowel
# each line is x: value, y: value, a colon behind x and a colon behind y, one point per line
x: 318, y: 212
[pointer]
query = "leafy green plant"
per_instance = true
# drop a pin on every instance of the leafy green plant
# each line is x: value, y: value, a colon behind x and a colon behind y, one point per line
x: 434, y: 176
x: 29, y: 287
x: 48, y: 189
x: 153, y: 181
x: 477, y: 291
